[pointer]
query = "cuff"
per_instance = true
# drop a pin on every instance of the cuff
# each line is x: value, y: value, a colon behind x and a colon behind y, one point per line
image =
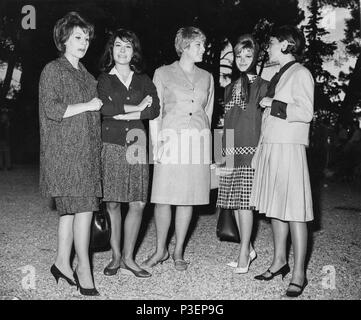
x: 278, y: 109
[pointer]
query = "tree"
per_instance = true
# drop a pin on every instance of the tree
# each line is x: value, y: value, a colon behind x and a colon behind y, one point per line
x: 317, y: 51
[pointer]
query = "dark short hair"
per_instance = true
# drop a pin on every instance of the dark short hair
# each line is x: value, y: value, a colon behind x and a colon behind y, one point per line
x: 294, y: 36
x: 107, y: 59
x: 65, y: 26
x: 247, y: 41
x: 185, y: 36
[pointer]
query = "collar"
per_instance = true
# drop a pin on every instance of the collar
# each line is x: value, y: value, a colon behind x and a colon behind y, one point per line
x: 68, y: 65
x: 127, y: 82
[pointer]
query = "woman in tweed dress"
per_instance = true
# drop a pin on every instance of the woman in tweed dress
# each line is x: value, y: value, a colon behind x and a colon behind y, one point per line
x: 242, y: 125
x: 129, y: 98
x: 70, y: 147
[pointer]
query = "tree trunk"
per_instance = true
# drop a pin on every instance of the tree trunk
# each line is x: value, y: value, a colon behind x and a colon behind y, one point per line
x: 353, y: 93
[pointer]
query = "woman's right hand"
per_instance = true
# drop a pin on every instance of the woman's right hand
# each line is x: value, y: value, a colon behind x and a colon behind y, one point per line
x: 94, y: 104
x: 146, y: 102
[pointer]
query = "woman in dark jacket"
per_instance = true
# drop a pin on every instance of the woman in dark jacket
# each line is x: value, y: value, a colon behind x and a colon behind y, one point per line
x: 242, y: 126
x: 129, y: 97
x: 70, y: 147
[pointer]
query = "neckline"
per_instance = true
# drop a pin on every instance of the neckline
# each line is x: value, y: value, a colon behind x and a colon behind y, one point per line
x: 126, y: 83
x: 185, y: 74
x: 68, y: 63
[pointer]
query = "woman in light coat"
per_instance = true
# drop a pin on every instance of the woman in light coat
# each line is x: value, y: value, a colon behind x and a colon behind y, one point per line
x: 281, y: 187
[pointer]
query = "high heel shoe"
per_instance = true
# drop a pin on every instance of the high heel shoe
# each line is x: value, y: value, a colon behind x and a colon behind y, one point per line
x: 242, y: 270
x: 58, y: 274
x: 146, y: 262
x: 127, y: 270
x: 294, y: 294
x: 234, y: 264
x: 283, y: 271
x: 85, y: 291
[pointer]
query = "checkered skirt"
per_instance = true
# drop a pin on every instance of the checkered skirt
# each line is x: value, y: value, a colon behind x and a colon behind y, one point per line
x: 235, y: 187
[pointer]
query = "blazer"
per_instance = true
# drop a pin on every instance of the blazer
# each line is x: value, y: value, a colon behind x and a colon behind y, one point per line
x: 114, y: 96
x: 288, y: 120
x: 183, y: 105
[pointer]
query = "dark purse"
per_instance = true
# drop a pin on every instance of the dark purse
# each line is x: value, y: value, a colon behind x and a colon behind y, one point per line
x: 227, y: 229
x: 100, y: 229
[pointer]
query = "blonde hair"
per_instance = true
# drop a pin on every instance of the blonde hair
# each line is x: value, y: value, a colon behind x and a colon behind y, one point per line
x: 185, y: 36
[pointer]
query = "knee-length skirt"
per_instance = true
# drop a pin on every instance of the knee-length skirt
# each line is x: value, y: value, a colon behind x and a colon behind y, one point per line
x: 235, y: 186
x: 72, y: 205
x: 123, y: 181
x: 281, y: 185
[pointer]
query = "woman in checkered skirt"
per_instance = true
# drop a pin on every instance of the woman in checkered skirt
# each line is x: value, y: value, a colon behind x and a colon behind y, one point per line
x: 242, y: 125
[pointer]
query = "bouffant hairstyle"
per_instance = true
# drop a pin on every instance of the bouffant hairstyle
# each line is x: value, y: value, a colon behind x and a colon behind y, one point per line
x: 65, y: 26
x: 294, y: 36
x: 107, y: 59
x: 185, y: 36
x: 247, y: 41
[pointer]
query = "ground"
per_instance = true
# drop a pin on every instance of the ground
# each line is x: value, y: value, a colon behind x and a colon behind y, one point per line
x: 28, y: 247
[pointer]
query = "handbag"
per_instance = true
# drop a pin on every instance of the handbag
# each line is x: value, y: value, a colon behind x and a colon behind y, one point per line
x: 100, y: 229
x: 227, y: 229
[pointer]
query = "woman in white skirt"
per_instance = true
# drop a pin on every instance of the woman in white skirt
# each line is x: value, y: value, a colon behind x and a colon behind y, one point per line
x: 281, y: 187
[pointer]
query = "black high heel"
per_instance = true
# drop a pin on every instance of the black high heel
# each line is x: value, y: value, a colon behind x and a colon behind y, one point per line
x: 283, y: 271
x: 58, y: 274
x: 85, y: 291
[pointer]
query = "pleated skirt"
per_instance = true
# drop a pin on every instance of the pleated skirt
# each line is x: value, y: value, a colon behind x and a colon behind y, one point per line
x: 281, y: 186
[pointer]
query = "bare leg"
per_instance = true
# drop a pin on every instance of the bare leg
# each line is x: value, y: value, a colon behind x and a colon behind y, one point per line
x: 116, y: 225
x: 163, y: 216
x: 280, y: 232
x: 299, y: 243
x: 183, y: 219
x: 81, y: 229
x: 131, y: 230
x: 245, y: 218
x: 65, y: 244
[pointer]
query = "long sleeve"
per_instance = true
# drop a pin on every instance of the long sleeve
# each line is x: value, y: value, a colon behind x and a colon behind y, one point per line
x: 151, y: 112
x: 112, y: 105
x: 50, y: 93
x: 156, y: 124
x: 210, y: 102
x: 301, y: 110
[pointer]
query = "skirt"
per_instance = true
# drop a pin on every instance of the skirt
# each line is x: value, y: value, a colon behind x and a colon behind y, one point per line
x: 123, y: 181
x: 72, y: 205
x: 281, y: 185
x: 235, y: 187
x: 183, y: 175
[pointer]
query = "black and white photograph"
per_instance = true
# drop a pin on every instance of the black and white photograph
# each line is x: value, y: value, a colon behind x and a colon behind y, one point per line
x: 180, y: 156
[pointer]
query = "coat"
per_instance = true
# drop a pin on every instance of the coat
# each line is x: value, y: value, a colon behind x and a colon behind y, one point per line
x: 296, y: 90
x: 69, y: 147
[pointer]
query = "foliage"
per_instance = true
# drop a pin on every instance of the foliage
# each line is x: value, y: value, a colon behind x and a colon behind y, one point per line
x: 317, y: 50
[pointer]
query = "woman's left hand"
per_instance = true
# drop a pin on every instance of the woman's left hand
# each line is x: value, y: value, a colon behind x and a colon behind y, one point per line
x: 266, y: 102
